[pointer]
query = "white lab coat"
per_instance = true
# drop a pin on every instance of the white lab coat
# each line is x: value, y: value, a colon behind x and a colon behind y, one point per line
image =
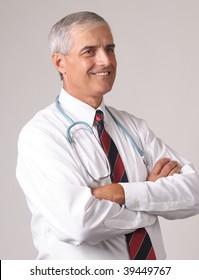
x: 67, y: 221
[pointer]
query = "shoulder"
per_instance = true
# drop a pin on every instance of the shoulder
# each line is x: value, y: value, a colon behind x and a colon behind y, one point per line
x: 45, y: 124
x: 129, y: 120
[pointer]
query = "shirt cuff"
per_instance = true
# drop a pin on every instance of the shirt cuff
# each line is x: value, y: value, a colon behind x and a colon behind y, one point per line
x: 136, y: 197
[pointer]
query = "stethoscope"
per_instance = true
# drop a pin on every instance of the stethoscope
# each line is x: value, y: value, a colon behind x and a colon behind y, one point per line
x: 90, y: 129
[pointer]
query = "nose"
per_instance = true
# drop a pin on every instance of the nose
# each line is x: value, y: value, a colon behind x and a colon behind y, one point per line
x: 102, y: 58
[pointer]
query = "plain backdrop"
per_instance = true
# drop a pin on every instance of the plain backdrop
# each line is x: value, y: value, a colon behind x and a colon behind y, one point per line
x: 157, y: 43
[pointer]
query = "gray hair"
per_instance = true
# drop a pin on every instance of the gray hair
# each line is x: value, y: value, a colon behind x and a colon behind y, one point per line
x: 59, y: 36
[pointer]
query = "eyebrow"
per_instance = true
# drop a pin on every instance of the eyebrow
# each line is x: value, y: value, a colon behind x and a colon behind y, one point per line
x: 94, y: 46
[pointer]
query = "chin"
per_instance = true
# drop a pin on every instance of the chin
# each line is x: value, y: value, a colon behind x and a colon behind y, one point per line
x: 105, y: 90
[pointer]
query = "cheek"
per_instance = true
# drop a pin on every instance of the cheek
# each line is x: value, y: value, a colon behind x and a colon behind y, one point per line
x: 81, y: 69
x: 77, y: 70
x: 114, y: 63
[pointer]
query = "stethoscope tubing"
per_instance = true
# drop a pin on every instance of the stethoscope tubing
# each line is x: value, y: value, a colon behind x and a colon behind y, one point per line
x: 73, y: 123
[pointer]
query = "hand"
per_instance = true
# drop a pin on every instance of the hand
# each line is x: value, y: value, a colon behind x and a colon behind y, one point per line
x: 163, y: 168
x: 115, y: 192
x: 112, y: 192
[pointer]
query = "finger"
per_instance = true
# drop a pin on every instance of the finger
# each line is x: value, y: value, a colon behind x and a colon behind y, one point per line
x: 176, y: 170
x: 160, y: 165
x: 167, y: 169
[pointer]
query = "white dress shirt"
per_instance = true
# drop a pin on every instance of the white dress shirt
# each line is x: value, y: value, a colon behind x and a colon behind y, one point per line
x: 67, y: 221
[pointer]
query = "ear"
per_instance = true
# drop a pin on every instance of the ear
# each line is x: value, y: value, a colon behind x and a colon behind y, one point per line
x: 59, y: 62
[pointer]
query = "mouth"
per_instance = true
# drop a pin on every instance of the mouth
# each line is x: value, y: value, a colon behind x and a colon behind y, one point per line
x: 102, y: 73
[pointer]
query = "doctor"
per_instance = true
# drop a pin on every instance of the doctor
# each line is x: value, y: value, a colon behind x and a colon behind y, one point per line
x: 89, y: 201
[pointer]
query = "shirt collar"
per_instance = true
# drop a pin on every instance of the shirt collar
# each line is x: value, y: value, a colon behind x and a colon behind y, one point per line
x: 77, y: 109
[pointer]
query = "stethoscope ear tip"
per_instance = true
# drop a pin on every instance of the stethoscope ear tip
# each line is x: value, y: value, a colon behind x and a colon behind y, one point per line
x: 68, y: 137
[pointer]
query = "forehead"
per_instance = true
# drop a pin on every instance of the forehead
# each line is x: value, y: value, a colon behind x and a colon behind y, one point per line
x: 83, y: 35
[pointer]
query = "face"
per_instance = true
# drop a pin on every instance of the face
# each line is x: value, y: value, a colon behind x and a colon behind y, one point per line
x: 90, y: 68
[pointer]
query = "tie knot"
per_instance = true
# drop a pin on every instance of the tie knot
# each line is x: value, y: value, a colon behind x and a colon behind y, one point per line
x: 99, y: 116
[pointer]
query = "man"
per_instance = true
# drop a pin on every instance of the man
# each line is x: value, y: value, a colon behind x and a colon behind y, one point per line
x: 90, y: 199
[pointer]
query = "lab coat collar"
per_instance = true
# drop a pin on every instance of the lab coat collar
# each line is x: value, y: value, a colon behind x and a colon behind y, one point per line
x: 77, y: 109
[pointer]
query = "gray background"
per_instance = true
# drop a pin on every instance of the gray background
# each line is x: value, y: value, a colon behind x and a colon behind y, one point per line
x: 158, y: 79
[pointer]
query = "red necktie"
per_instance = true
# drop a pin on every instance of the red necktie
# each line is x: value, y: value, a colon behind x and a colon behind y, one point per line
x: 139, y: 243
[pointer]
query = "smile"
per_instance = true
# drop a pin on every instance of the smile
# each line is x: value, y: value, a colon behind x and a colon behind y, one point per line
x: 102, y: 73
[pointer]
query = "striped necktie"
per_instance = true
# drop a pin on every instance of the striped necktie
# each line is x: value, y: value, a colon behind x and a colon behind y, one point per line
x: 139, y: 243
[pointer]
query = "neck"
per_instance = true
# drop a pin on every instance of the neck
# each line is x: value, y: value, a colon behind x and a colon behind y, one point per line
x: 93, y: 101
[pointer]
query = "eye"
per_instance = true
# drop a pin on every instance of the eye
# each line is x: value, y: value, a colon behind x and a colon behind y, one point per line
x: 89, y: 52
x: 110, y: 50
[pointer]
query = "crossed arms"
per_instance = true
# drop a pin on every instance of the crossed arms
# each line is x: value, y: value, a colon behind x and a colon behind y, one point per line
x: 115, y: 192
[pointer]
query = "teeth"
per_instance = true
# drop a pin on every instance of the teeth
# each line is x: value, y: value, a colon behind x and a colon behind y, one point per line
x: 102, y: 73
